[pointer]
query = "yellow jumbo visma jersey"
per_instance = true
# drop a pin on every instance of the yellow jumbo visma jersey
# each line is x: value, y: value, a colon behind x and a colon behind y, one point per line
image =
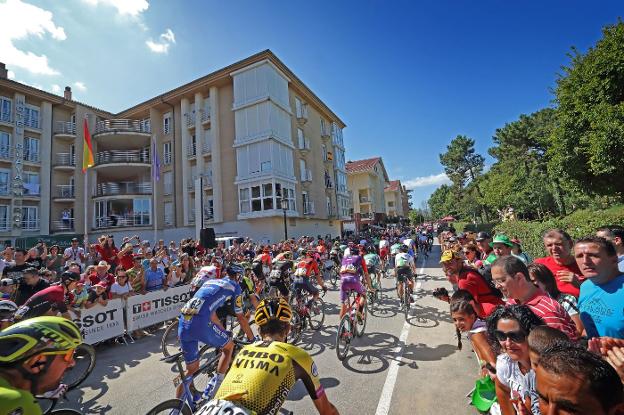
x: 263, y: 373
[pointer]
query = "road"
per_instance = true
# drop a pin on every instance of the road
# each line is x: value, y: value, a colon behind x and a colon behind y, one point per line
x: 397, y: 368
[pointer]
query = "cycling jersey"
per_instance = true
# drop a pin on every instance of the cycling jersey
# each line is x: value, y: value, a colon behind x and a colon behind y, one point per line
x: 263, y: 373
x: 403, y: 260
x: 371, y: 260
x: 394, y: 249
x: 17, y: 401
x: 195, y: 324
x: 51, y: 298
x: 353, y: 267
x: 306, y: 268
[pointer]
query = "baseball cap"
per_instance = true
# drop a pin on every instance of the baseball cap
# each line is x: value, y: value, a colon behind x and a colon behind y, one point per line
x: 74, y: 240
x: 101, y: 284
x: 501, y: 239
x: 482, y: 236
x: 449, y: 255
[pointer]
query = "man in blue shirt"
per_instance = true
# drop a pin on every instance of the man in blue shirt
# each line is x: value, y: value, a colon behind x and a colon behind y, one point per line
x: 154, y: 276
x: 601, y: 301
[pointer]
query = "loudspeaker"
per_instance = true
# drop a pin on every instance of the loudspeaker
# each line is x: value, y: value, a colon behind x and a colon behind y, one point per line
x: 207, y: 238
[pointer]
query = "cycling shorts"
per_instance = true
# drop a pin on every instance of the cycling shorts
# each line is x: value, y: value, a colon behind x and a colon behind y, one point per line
x: 306, y: 285
x: 201, y: 330
x: 383, y: 253
x: 281, y: 286
x: 372, y: 269
x: 403, y: 273
x: 350, y: 283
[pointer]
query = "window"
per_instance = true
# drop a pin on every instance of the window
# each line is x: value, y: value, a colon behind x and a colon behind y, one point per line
x: 390, y: 204
x: 5, y: 109
x: 167, y: 153
x: 142, y: 211
x: 4, y: 217
x: 243, y: 197
x: 209, y: 209
x: 323, y: 127
x: 300, y: 138
x: 30, y: 217
x: 31, y: 183
x: 256, y: 199
x: 168, y: 182
x: 298, y: 108
x: 31, y: 116
x: 168, y: 213
x: 266, y: 196
x: 324, y: 150
x: 31, y: 149
x: 167, y: 123
x: 265, y: 166
x: 145, y: 125
x: 4, y: 181
x: 5, y: 145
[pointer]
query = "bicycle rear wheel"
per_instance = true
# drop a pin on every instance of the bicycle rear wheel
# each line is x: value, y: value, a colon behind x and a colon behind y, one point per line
x: 333, y: 278
x: 343, y: 337
x: 170, y: 344
x: 406, y: 300
x: 316, y: 312
x: 296, y: 326
x: 171, y: 407
x: 84, y: 356
x: 360, y: 324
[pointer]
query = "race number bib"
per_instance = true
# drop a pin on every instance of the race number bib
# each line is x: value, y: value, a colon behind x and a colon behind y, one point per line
x: 301, y: 272
x: 192, y: 306
x: 276, y: 274
x: 219, y: 407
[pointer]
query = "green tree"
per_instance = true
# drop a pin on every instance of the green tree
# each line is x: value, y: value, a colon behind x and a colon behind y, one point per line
x: 442, y: 202
x: 588, y: 143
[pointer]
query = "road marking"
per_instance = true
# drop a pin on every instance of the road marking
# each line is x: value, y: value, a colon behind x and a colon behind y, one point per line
x: 383, y: 407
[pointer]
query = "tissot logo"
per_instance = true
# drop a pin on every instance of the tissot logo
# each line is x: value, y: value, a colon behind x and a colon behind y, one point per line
x: 158, y: 303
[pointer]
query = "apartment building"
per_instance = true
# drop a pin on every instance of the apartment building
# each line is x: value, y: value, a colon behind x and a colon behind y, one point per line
x: 367, y: 180
x: 234, y: 147
x: 397, y: 199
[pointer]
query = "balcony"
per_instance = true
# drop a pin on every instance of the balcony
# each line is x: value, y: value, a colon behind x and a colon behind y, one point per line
x: 206, y: 148
x: 31, y: 156
x: 64, y: 160
x: 122, y: 126
x: 302, y: 114
x: 168, y: 188
x: 190, y: 184
x: 64, y: 191
x: 33, y: 123
x: 6, y: 153
x: 5, y: 117
x: 63, y: 225
x: 4, y: 224
x: 306, y: 175
x: 30, y: 224
x: 168, y: 220
x: 364, y: 199
x: 367, y: 215
x: 304, y: 145
x: 120, y: 221
x: 65, y: 128
x: 205, y: 116
x: 123, y: 188
x: 123, y: 156
x: 208, y: 216
x: 308, y: 208
x: 325, y: 134
x: 191, y: 150
x: 189, y: 119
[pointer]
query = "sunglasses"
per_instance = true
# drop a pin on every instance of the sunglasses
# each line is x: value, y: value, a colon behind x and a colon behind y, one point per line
x: 68, y: 355
x: 514, y: 336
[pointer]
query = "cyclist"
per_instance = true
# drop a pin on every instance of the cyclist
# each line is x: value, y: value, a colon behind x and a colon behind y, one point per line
x: 373, y: 265
x: 336, y: 253
x: 265, y: 372
x: 34, y: 355
x: 423, y: 243
x: 7, y: 313
x: 352, y: 270
x: 279, y: 278
x: 384, y: 248
x: 50, y: 301
x: 199, y: 323
x: 411, y: 245
x: 303, y: 270
x: 261, y: 265
x: 204, y: 274
x: 405, y: 269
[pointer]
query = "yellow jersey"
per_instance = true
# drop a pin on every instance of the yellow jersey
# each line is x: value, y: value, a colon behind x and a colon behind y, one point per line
x: 263, y: 373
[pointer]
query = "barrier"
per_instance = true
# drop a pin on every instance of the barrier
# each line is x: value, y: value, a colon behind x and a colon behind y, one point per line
x: 155, y: 307
x: 101, y: 322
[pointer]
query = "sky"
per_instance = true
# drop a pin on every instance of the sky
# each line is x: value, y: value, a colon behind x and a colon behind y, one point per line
x: 405, y: 76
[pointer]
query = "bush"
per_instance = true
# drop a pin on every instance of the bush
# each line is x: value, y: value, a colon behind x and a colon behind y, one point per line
x: 578, y: 224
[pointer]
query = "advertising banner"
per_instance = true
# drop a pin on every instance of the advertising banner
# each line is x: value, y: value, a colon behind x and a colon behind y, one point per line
x: 101, y: 322
x: 155, y: 307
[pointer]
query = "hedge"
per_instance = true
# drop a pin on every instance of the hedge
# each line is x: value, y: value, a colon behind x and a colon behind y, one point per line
x: 578, y: 224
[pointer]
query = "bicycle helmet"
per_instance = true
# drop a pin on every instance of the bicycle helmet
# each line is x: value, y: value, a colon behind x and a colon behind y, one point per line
x: 234, y: 270
x: 36, y: 336
x: 272, y: 309
x: 69, y: 276
x: 7, y: 306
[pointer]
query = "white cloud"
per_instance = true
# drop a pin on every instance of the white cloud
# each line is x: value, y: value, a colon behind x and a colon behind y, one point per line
x: 131, y: 8
x: 56, y: 89
x: 432, y: 180
x: 20, y: 20
x: 80, y: 86
x: 11, y: 74
x: 166, y: 40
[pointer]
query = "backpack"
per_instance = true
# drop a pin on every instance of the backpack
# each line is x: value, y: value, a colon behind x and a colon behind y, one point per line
x: 486, y: 273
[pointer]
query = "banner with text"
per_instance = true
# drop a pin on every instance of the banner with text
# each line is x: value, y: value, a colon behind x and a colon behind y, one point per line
x: 155, y: 307
x: 101, y: 322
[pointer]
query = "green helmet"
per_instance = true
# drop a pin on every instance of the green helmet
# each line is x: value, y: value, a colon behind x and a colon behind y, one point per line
x: 38, y: 335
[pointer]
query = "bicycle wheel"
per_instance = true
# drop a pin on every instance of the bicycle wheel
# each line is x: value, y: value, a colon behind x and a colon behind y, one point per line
x: 361, y: 322
x: 333, y: 278
x: 406, y: 300
x: 171, y: 407
x: 343, y: 337
x: 371, y: 295
x: 46, y: 404
x: 170, y: 344
x: 84, y: 356
x: 64, y: 411
x: 316, y: 312
x: 295, y: 329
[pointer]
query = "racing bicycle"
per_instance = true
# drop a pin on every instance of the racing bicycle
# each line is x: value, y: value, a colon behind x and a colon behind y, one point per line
x: 307, y: 312
x: 351, y: 325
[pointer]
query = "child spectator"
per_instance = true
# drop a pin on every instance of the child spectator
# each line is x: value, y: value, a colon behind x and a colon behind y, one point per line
x: 97, y: 295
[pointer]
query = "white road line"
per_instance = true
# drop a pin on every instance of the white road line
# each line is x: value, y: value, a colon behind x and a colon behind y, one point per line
x: 383, y: 407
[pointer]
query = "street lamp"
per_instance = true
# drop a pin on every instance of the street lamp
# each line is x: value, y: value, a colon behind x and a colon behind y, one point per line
x: 284, y: 205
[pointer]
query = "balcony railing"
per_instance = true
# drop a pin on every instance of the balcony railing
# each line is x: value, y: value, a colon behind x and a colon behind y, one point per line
x: 130, y: 126
x: 206, y: 148
x: 304, y: 144
x: 65, y: 127
x: 325, y: 133
x: 308, y: 208
x: 5, y: 116
x: 31, y: 156
x: 302, y: 114
x: 123, y: 188
x: 64, y: 191
x: 4, y: 224
x: 208, y: 215
x: 189, y: 119
x: 30, y: 224
x: 123, y: 156
x: 191, y: 150
x: 118, y: 221
x: 205, y: 115
x: 6, y: 152
x: 306, y: 175
x: 168, y: 188
x: 32, y: 122
x: 65, y: 159
x: 63, y: 225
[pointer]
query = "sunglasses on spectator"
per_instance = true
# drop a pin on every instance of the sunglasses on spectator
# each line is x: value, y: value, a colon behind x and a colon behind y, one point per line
x: 67, y: 355
x: 514, y: 336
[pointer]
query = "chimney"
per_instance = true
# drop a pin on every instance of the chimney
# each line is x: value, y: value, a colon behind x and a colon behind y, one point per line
x: 67, y: 94
x: 3, y: 71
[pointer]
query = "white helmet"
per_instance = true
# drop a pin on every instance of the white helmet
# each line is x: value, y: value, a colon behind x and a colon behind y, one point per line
x: 7, y: 306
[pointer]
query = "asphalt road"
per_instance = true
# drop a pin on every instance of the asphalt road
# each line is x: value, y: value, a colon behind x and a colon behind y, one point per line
x: 397, y: 368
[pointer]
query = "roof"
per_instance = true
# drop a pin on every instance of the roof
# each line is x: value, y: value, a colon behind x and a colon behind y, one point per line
x: 362, y: 166
x: 393, y: 186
